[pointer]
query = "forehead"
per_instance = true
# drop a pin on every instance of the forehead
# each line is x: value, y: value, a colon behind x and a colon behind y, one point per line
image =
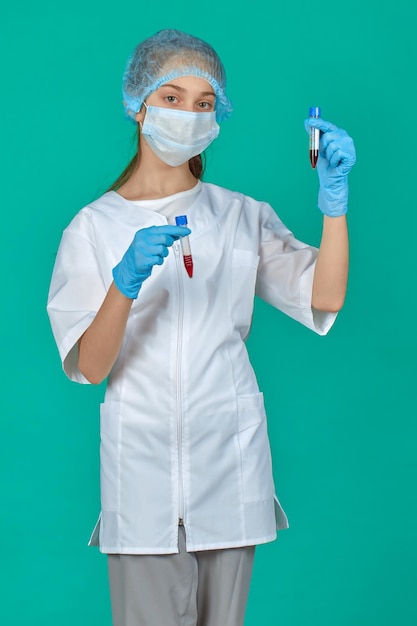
x: 191, y: 84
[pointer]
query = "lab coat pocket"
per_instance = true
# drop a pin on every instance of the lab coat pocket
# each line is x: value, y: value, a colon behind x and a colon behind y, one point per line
x: 109, y: 453
x: 244, y: 267
x: 254, y: 449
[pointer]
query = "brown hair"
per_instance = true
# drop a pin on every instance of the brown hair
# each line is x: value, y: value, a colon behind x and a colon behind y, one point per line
x: 196, y: 165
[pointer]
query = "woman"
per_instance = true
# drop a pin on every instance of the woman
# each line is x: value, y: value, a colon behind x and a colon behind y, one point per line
x: 186, y: 478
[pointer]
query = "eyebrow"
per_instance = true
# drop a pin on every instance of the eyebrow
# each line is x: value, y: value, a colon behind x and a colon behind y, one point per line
x: 203, y: 93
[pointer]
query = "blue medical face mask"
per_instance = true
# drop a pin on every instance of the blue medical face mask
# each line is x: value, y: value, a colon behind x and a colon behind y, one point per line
x: 176, y: 136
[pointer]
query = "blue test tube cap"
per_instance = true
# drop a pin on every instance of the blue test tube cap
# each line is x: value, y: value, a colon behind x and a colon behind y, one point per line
x: 181, y: 220
x: 314, y: 112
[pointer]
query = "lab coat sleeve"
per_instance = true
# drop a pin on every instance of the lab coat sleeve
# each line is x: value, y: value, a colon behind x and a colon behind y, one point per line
x: 286, y: 272
x: 76, y: 292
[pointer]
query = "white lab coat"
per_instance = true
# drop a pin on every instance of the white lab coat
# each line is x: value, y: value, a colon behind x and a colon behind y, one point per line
x: 183, y: 425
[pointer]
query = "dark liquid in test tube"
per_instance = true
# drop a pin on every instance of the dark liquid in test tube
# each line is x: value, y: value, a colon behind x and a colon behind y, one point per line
x: 314, y: 137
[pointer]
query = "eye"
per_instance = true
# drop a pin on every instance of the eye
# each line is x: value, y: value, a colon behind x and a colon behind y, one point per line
x: 206, y: 106
x: 171, y: 99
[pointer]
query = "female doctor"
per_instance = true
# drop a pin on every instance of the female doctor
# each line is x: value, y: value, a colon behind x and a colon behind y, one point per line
x: 186, y: 477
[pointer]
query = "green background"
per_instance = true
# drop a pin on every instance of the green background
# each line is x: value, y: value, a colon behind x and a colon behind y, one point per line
x: 342, y: 410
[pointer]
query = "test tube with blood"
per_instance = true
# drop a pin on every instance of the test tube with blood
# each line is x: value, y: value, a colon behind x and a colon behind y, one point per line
x: 181, y: 220
x: 314, y: 137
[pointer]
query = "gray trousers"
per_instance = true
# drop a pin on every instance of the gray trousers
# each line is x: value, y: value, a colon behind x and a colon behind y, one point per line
x: 207, y: 588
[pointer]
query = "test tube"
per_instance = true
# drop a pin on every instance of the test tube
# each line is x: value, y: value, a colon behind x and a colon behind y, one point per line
x: 314, y: 137
x: 181, y: 220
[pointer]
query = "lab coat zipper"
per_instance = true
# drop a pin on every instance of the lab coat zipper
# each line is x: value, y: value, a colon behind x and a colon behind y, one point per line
x: 177, y: 252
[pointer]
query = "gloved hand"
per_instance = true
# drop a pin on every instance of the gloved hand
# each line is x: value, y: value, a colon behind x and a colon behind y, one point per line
x: 336, y: 158
x: 148, y: 248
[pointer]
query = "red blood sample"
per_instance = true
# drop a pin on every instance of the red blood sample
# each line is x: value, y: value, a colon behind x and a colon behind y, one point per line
x: 188, y: 262
x: 314, y: 155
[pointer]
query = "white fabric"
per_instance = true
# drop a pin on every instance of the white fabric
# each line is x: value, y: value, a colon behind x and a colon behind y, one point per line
x: 183, y: 425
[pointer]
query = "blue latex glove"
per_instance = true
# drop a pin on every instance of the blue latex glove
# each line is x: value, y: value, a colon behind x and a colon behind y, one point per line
x: 148, y: 248
x: 336, y: 158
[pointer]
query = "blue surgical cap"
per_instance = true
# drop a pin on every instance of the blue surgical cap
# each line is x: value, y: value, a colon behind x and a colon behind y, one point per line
x: 167, y: 55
